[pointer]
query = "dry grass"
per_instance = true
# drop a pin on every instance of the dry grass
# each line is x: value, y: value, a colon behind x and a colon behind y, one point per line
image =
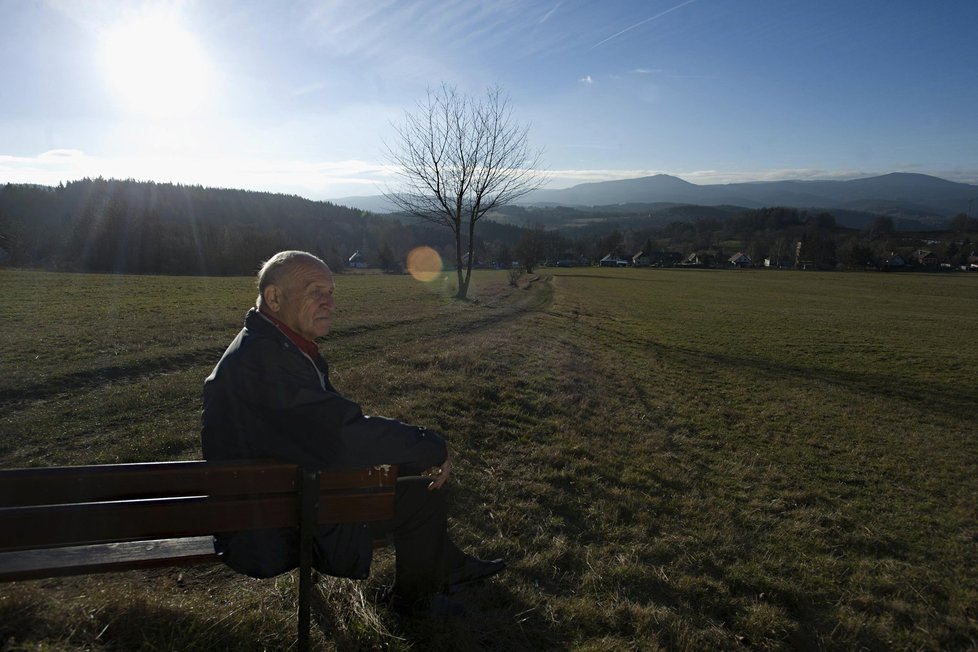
x: 676, y: 460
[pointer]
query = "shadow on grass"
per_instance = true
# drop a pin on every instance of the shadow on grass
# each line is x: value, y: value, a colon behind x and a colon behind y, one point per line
x: 90, y: 378
x: 956, y: 401
x: 941, y: 398
x: 495, y: 619
x: 133, y: 626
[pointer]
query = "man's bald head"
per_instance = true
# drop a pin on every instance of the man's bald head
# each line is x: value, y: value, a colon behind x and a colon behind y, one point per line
x: 274, y: 270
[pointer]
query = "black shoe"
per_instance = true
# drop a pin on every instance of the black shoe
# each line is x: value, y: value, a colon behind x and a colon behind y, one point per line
x: 473, y: 570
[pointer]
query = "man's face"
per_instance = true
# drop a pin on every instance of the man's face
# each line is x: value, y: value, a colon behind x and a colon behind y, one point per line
x: 305, y: 300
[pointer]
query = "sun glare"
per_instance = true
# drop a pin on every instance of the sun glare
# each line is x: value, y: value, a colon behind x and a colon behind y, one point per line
x: 424, y: 264
x: 155, y: 66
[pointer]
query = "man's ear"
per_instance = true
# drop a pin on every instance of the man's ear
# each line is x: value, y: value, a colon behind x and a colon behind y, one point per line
x: 272, y: 297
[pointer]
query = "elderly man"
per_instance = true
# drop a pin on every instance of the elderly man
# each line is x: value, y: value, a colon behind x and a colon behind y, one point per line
x: 270, y: 396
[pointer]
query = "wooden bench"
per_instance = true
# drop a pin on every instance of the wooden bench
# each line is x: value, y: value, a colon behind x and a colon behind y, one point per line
x: 89, y: 519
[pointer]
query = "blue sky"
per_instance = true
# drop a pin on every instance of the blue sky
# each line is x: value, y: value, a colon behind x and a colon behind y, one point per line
x: 300, y: 97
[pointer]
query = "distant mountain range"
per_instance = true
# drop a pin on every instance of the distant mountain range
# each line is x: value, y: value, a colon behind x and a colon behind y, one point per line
x: 919, y: 197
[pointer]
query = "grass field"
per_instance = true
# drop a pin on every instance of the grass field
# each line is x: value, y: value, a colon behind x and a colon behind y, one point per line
x: 668, y: 459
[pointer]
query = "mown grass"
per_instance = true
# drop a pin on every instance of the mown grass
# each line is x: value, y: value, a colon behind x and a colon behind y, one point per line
x: 668, y: 459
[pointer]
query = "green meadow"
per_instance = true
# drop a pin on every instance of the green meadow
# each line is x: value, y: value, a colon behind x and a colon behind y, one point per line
x: 667, y: 459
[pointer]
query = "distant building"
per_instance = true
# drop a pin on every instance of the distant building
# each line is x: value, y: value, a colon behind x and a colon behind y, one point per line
x: 894, y: 261
x: 613, y: 260
x: 924, y: 257
x: 695, y: 259
x: 357, y: 261
x: 740, y: 259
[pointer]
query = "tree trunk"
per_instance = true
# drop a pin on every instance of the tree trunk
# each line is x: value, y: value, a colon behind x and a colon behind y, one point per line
x: 463, y: 288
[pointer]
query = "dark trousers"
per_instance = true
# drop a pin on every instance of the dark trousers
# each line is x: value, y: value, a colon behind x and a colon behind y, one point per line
x: 423, y: 550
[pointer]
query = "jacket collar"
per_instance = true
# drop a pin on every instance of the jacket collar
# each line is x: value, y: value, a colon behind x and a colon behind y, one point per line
x: 308, y: 347
x: 262, y: 324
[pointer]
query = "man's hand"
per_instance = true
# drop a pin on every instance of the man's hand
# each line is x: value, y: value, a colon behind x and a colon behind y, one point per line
x: 439, y: 474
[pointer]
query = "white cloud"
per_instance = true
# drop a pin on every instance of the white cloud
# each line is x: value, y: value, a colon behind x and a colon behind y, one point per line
x: 586, y: 79
x: 777, y: 174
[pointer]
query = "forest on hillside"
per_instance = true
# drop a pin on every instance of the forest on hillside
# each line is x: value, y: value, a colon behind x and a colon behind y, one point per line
x: 136, y: 227
x: 127, y: 226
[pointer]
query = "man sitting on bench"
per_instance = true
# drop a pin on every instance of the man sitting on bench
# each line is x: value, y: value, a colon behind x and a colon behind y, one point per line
x: 270, y: 396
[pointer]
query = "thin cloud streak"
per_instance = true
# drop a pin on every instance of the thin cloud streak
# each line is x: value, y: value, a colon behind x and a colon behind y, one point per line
x: 551, y: 12
x: 642, y: 22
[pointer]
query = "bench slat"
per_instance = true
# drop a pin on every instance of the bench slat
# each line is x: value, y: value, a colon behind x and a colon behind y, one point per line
x: 59, y: 525
x: 81, y: 484
x: 82, y: 560
x: 74, y: 484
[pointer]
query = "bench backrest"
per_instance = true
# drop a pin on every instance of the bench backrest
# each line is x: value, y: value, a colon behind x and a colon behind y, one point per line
x: 62, y: 506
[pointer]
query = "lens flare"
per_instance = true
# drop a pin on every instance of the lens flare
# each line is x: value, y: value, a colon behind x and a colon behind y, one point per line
x: 424, y: 264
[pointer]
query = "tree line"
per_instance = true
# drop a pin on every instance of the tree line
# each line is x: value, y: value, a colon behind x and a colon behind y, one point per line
x: 787, y: 236
x: 126, y: 226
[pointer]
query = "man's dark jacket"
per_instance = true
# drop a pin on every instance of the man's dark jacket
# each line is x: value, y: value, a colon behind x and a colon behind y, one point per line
x: 266, y: 398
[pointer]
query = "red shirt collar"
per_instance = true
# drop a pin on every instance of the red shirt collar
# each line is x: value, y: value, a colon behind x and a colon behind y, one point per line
x: 308, y: 347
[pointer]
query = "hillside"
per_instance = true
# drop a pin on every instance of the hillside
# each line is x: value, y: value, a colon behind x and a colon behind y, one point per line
x: 914, y: 201
x: 98, y: 225
x: 889, y: 194
x: 143, y: 227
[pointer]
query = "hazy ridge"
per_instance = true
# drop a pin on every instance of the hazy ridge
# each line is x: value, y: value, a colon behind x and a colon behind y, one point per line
x: 924, y: 199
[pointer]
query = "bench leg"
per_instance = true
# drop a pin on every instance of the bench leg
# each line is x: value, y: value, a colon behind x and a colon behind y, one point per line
x: 308, y: 516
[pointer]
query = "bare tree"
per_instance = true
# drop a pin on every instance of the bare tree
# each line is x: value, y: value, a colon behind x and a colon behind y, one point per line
x: 531, y: 248
x: 457, y: 158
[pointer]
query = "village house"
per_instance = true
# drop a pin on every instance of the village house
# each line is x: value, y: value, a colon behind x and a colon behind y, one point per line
x: 357, y: 261
x: 696, y: 259
x: 740, y: 259
x: 894, y: 261
x: 614, y: 260
x: 924, y: 257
